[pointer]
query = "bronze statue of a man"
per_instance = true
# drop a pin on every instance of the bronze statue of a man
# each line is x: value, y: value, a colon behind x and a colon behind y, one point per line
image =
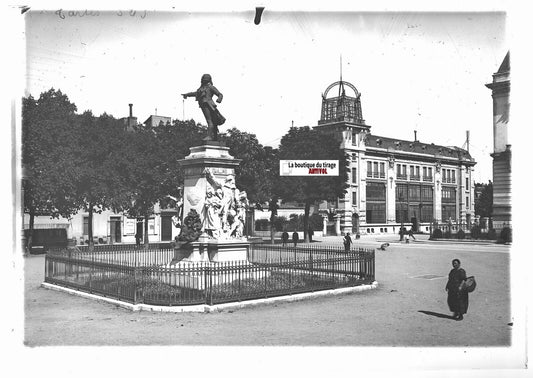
x: 204, y: 96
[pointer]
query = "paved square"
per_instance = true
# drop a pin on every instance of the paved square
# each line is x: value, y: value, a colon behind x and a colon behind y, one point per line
x: 402, y: 312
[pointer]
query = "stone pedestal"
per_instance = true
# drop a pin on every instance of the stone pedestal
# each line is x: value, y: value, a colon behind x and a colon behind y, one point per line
x: 213, y: 251
x: 215, y: 157
x: 212, y: 155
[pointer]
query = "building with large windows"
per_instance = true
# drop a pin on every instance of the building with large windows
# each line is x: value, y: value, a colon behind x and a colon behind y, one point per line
x: 392, y: 181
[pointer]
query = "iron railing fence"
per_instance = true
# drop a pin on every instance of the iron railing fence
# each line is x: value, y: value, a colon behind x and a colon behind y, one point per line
x: 136, y: 257
x: 123, y: 247
x: 270, y: 271
x: 327, y: 258
x: 452, y: 227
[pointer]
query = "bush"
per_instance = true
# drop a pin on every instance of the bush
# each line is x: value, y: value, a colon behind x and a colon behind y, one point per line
x: 437, y: 234
x: 460, y: 234
x: 279, y: 223
x: 492, y: 234
x: 447, y: 234
x: 316, y: 222
x: 506, y: 235
x: 475, y: 232
x: 261, y: 225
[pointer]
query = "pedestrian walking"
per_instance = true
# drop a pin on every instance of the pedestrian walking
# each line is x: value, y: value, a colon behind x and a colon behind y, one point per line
x: 284, y: 238
x: 401, y: 233
x: 295, y: 238
x: 411, y: 233
x: 310, y: 233
x: 347, y: 242
x: 138, y: 239
x: 457, y: 298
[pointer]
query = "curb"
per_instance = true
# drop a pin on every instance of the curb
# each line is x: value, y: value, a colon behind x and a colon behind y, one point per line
x: 214, y: 308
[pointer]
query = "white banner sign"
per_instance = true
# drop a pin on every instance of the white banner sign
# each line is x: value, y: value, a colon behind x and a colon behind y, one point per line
x: 309, y: 167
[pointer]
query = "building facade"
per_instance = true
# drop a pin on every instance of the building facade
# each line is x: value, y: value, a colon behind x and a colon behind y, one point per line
x: 501, y: 156
x: 112, y: 228
x: 392, y: 181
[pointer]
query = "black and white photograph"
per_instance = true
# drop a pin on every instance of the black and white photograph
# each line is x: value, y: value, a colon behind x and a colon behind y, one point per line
x: 331, y: 184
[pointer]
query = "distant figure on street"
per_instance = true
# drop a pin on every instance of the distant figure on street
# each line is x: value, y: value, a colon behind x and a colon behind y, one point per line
x: 457, y: 299
x: 138, y: 239
x: 401, y: 233
x: 411, y: 233
x: 384, y: 246
x: 310, y: 233
x: 284, y: 238
x: 295, y: 238
x: 347, y: 242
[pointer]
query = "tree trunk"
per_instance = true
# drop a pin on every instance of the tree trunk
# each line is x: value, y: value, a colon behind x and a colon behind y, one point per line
x: 273, y: 212
x: 306, y: 221
x: 29, y: 241
x: 146, y: 241
x: 272, y: 231
x: 90, y: 226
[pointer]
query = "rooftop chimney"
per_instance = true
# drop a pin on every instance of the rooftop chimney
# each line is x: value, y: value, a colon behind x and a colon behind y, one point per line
x: 415, y: 137
x: 131, y: 110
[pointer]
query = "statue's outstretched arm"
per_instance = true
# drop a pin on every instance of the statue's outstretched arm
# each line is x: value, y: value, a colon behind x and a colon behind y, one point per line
x: 189, y: 94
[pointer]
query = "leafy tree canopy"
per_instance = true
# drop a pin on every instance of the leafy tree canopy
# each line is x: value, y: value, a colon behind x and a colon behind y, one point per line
x: 256, y: 172
x: 483, y: 204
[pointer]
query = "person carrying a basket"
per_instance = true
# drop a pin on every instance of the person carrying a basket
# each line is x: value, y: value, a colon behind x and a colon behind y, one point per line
x: 457, y: 298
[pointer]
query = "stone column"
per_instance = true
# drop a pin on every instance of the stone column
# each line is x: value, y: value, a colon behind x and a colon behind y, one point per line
x: 437, y: 195
x: 362, y: 190
x: 391, y: 193
x: 338, y: 224
x: 324, y: 225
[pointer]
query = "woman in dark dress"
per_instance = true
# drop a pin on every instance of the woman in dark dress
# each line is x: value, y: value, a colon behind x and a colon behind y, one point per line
x: 457, y: 299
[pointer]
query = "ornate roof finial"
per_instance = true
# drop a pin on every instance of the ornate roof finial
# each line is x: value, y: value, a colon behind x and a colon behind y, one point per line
x: 341, y: 84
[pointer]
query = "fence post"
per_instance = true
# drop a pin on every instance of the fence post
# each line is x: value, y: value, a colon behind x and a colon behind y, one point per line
x: 135, y: 285
x: 207, y: 286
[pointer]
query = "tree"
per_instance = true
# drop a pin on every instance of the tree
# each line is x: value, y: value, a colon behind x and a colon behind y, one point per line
x: 48, y: 144
x: 306, y: 144
x: 174, y: 140
x: 483, y: 204
x: 257, y: 172
x: 252, y: 174
x: 144, y: 176
x: 100, y: 159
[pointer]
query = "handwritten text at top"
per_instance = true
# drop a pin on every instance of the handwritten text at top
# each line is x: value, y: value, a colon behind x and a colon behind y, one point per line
x: 77, y: 13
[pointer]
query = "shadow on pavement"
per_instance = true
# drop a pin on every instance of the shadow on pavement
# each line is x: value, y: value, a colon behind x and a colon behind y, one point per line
x: 438, y: 315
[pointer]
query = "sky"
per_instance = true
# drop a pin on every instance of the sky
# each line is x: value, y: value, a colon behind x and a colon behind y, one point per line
x: 423, y: 71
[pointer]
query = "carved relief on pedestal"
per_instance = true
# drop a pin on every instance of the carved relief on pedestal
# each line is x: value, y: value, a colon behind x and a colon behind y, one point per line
x: 224, y: 211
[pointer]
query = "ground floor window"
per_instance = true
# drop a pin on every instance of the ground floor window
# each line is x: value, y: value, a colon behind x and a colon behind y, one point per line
x: 426, y: 213
x: 402, y: 212
x: 376, y: 213
x: 448, y: 212
x: 414, y: 201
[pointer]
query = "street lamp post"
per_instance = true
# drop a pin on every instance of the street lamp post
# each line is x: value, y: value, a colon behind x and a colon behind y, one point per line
x: 400, y: 198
